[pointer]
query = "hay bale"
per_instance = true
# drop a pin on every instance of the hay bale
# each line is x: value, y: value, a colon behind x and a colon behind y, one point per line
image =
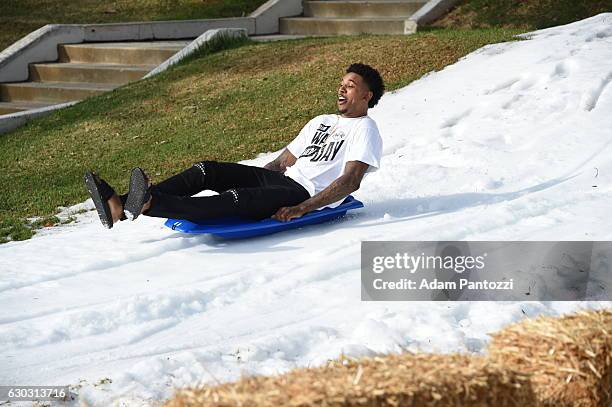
x: 568, y: 358
x: 541, y: 362
x: 396, y: 380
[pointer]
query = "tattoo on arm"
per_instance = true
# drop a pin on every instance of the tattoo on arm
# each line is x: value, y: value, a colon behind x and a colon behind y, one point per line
x: 340, y: 187
x: 272, y: 166
x: 280, y: 163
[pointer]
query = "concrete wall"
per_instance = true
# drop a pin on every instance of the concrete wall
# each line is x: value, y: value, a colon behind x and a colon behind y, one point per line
x: 12, y: 121
x: 202, y: 40
x: 432, y: 10
x: 162, y: 30
x: 38, y: 46
x: 267, y: 15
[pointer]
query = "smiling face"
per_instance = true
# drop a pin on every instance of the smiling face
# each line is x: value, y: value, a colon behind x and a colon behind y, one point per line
x: 353, y: 96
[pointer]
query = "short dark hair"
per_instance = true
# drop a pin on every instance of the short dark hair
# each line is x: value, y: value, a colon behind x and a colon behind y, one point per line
x: 372, y: 78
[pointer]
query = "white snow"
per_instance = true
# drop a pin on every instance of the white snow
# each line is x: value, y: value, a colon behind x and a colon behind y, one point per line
x: 513, y: 142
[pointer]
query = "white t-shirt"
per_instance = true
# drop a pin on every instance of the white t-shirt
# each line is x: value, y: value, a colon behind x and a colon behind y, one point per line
x: 327, y: 143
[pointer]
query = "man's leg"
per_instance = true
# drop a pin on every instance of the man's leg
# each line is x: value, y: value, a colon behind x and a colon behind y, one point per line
x: 249, y: 203
x: 212, y: 175
x: 173, y: 195
x: 207, y: 175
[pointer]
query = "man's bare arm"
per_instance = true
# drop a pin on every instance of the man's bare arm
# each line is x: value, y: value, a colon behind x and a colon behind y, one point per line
x: 342, y: 186
x: 280, y: 163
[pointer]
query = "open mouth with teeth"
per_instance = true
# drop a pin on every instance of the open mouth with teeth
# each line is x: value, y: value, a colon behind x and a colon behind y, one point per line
x: 341, y: 100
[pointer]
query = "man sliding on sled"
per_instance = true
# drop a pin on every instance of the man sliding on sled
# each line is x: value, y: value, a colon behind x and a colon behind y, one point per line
x: 323, y: 165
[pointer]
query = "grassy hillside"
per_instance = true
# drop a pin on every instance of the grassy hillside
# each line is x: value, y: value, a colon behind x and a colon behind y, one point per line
x: 228, y: 105
x: 523, y: 14
x: 20, y: 17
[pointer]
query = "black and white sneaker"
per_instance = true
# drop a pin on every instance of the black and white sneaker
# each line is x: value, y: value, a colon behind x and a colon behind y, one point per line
x: 138, y: 195
x: 100, y: 193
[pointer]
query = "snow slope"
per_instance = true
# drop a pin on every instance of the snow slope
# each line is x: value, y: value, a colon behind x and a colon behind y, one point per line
x: 513, y: 142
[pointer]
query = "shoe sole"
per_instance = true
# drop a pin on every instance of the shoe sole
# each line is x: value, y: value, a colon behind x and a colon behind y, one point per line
x: 101, y: 205
x: 138, y: 189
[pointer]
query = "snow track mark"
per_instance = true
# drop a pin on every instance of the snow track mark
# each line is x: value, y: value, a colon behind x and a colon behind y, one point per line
x: 503, y: 85
x: 562, y: 69
x: 176, y: 244
x: 600, y: 35
x: 143, y: 313
x: 454, y: 120
x: 591, y: 97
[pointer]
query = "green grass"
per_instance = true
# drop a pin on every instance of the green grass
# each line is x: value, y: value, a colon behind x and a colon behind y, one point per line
x: 20, y: 17
x: 525, y: 14
x: 13, y: 228
x: 225, y: 104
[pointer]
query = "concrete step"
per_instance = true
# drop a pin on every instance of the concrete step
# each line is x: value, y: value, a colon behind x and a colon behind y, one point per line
x: 91, y: 73
x: 126, y: 53
x: 345, y: 26
x: 361, y: 9
x: 20, y: 106
x: 51, y: 91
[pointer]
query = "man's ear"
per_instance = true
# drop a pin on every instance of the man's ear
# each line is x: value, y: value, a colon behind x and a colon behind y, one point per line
x: 369, y: 96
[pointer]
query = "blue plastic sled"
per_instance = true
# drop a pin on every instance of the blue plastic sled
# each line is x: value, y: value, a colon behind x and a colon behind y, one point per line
x: 235, y: 228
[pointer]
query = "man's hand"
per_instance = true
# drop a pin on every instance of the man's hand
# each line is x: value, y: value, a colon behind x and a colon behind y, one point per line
x: 286, y: 213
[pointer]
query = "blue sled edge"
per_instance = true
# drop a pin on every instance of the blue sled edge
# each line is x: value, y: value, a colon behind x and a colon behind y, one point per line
x: 236, y: 228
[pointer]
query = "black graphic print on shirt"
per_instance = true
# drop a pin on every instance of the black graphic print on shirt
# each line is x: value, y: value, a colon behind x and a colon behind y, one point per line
x: 319, y: 149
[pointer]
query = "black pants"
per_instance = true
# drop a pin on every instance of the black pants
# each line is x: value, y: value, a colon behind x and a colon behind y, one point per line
x: 244, y: 191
